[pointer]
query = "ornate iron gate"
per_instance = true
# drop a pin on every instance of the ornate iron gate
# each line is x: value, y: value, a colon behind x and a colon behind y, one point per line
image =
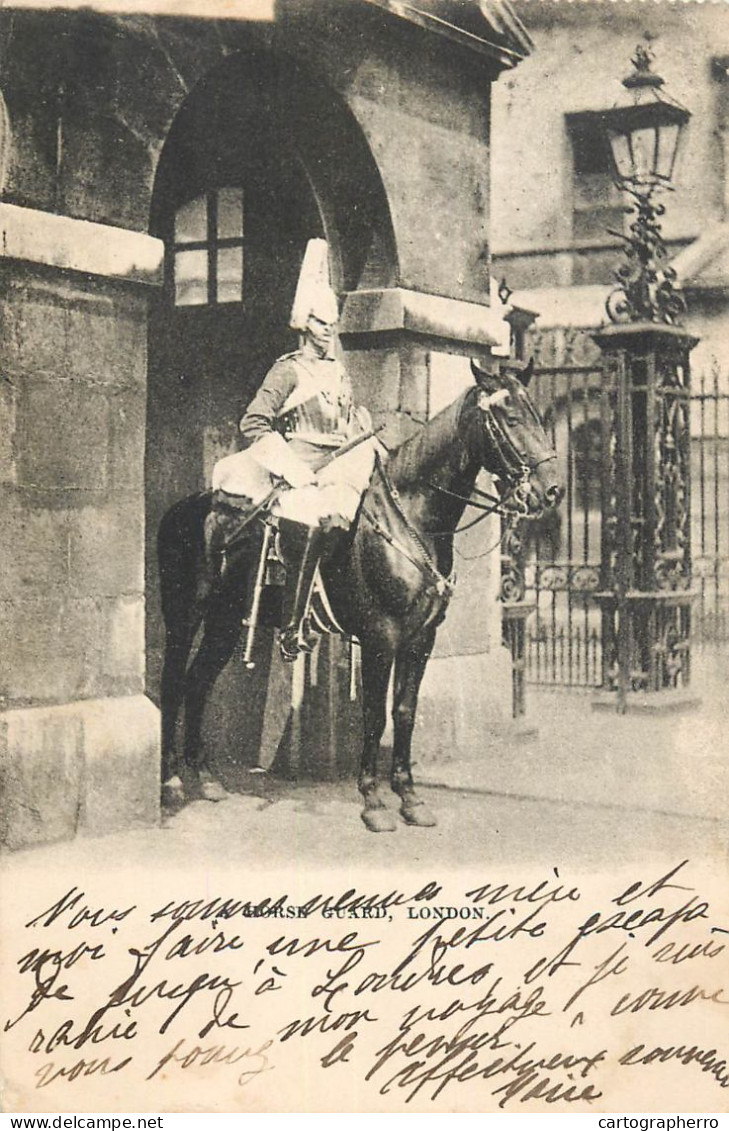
x: 556, y: 564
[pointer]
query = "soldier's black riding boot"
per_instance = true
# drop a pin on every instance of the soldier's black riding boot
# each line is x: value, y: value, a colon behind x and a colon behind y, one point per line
x: 301, y: 563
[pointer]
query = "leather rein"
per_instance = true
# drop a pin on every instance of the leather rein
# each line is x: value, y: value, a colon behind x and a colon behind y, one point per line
x: 444, y: 585
x: 516, y: 470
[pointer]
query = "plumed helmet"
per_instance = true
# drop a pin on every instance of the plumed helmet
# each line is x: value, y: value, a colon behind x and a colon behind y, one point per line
x: 314, y: 294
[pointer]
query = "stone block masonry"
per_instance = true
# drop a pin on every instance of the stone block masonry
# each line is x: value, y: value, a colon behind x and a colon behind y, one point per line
x: 109, y: 132
x: 88, y: 767
x: 78, y: 740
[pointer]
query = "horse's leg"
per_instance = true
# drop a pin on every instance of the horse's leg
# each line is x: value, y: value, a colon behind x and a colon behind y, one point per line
x: 172, y: 687
x: 376, y: 667
x: 410, y: 665
x: 218, y: 643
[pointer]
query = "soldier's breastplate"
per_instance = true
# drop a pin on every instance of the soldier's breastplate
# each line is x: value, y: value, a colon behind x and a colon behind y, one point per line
x: 320, y: 420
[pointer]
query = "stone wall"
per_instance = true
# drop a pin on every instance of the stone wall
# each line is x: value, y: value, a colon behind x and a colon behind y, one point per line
x: 91, y: 98
x: 78, y: 740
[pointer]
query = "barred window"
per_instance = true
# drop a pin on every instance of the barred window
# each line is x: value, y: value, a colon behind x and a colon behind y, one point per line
x: 207, y: 249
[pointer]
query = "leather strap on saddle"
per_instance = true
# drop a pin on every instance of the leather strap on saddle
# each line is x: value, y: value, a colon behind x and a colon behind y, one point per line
x: 224, y: 526
x: 224, y: 500
x: 226, y: 521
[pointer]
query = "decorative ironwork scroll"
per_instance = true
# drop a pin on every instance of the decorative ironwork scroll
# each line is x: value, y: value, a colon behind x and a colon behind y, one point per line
x: 512, y: 561
x: 646, y: 535
x: 646, y: 290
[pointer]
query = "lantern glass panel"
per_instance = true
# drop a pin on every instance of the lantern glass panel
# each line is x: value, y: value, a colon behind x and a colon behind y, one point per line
x: 644, y: 144
x: 667, y: 147
x: 620, y: 146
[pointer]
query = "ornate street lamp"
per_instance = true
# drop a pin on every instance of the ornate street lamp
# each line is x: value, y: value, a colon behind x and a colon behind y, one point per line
x: 644, y: 135
x: 645, y: 590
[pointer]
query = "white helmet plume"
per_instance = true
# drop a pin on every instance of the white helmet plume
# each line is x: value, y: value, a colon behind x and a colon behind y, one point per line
x: 314, y: 294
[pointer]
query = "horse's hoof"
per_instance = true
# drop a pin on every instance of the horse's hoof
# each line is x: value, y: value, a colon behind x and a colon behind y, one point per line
x: 379, y: 820
x: 173, y: 795
x: 417, y: 813
x: 211, y: 789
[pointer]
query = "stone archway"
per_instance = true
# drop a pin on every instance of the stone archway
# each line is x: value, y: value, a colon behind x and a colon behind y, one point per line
x: 391, y: 123
x: 259, y: 159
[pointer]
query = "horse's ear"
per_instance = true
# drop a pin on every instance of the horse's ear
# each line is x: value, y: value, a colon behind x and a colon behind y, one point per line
x: 527, y: 373
x: 484, y: 379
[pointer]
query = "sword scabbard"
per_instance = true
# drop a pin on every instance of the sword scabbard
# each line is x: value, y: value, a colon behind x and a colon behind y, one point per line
x: 256, y: 600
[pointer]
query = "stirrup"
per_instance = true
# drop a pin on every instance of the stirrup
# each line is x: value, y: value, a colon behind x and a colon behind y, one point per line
x: 308, y: 636
x: 297, y: 639
x: 289, y: 645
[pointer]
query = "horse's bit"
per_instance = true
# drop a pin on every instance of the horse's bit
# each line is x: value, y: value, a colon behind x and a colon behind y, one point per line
x: 516, y: 470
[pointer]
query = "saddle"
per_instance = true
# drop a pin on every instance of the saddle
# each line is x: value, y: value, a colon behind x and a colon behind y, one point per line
x: 231, y: 523
x: 227, y: 522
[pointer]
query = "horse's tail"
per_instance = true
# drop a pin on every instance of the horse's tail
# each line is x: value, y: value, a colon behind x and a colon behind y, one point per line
x: 180, y: 552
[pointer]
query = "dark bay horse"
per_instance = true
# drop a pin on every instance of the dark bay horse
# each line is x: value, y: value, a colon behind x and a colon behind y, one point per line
x: 389, y: 582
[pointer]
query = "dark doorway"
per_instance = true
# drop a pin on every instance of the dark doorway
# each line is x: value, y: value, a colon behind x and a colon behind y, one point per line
x: 260, y: 159
x: 235, y: 208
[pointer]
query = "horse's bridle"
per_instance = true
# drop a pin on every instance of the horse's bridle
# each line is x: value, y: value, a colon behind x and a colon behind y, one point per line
x: 516, y: 471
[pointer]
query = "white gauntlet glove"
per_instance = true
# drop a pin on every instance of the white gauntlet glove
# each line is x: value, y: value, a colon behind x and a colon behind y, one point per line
x: 273, y: 453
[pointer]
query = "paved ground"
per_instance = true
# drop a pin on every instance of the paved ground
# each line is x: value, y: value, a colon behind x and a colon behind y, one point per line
x: 594, y: 789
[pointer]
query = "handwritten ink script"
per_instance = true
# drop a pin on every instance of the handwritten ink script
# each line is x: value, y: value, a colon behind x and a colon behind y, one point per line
x: 502, y: 994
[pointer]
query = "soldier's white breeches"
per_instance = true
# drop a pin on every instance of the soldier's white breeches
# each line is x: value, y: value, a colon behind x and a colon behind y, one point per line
x: 337, y: 493
x: 241, y: 474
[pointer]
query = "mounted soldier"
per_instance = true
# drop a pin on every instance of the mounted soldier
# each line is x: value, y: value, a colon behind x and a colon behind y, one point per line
x: 300, y: 417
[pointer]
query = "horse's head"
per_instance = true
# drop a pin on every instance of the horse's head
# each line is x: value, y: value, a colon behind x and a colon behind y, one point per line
x: 514, y: 445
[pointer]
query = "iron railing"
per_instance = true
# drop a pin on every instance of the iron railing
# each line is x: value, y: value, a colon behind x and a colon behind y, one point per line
x: 557, y: 564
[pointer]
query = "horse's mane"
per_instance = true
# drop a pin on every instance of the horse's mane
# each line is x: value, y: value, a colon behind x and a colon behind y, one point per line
x: 421, y: 453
